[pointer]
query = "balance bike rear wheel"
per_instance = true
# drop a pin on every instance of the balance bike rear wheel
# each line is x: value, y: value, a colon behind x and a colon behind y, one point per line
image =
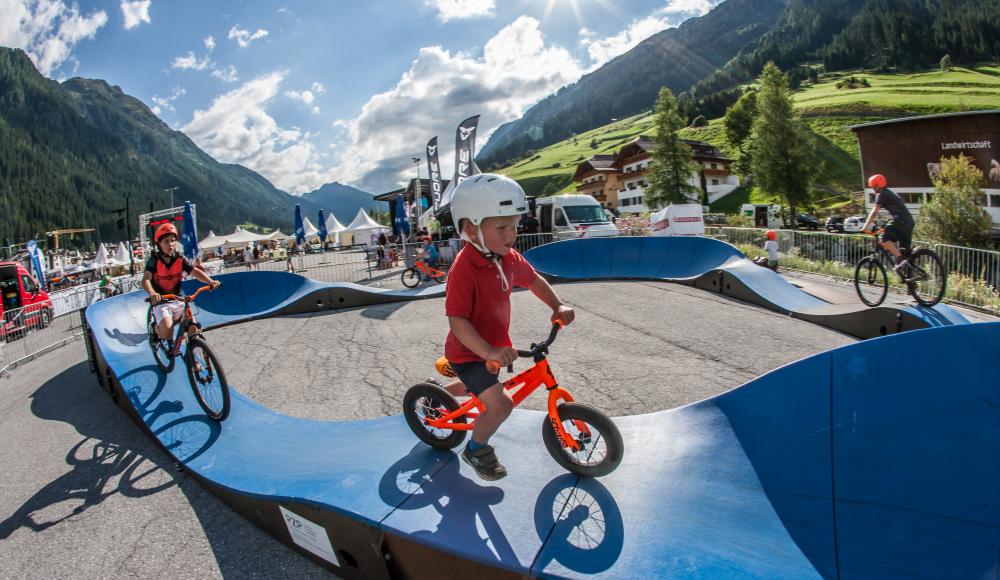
x: 425, y: 400
x: 601, y: 450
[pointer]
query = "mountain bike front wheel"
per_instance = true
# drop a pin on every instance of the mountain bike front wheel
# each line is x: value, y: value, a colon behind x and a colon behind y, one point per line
x: 601, y: 445
x: 207, y: 379
x: 426, y: 401
x: 410, y: 277
x: 441, y: 277
x: 927, y: 277
x: 159, y: 347
x: 870, y: 281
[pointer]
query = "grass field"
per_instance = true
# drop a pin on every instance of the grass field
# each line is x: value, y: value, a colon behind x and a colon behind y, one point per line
x: 828, y: 112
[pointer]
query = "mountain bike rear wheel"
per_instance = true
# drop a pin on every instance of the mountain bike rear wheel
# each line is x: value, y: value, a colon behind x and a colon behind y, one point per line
x: 410, y: 277
x: 601, y: 445
x: 870, y: 281
x: 207, y: 379
x: 426, y: 401
x: 443, y: 277
x: 159, y: 347
x: 927, y: 277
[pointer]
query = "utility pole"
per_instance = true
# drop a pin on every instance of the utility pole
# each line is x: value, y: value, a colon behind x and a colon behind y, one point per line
x: 172, y: 190
x: 128, y: 232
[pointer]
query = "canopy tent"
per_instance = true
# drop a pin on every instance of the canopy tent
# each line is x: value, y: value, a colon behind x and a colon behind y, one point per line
x: 333, y: 228
x: 310, y: 229
x: 212, y: 241
x: 241, y: 237
x: 277, y: 235
x: 102, y: 260
x: 363, y: 227
x: 121, y: 254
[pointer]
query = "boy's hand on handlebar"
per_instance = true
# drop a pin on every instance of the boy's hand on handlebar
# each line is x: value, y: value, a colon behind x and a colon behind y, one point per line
x: 504, y: 355
x: 154, y: 298
x: 215, y: 284
x: 563, y: 314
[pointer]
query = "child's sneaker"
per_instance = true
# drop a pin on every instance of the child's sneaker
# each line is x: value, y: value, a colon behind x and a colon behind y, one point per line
x: 485, y: 462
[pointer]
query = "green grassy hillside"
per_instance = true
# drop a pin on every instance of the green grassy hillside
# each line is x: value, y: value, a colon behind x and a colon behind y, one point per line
x: 826, y: 110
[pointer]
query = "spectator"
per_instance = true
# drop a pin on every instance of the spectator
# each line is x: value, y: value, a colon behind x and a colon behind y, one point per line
x: 256, y: 257
x: 247, y: 258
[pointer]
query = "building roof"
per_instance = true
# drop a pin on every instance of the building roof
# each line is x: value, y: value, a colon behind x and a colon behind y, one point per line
x: 644, y: 144
x: 595, y: 163
x: 924, y: 118
x: 425, y: 189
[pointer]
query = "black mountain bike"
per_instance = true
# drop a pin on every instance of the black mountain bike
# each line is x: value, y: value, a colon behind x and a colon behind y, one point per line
x: 924, y: 276
x: 204, y: 371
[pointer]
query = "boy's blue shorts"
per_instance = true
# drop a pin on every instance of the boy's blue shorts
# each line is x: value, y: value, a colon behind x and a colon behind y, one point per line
x: 474, y: 376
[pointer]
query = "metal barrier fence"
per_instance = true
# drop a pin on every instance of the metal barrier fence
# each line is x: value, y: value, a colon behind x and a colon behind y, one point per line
x: 28, y: 333
x: 974, y: 275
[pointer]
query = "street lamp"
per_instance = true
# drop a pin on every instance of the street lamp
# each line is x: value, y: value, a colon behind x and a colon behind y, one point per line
x: 172, y: 190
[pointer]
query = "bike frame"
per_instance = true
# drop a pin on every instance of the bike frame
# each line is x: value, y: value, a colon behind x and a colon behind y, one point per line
x: 423, y: 267
x: 185, y: 321
x: 520, y: 386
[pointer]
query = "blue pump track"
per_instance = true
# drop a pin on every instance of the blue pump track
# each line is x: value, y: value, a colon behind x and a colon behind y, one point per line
x: 874, y: 459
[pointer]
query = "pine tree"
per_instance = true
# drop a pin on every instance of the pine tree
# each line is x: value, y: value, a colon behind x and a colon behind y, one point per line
x: 671, y: 167
x: 783, y: 163
x: 739, y: 126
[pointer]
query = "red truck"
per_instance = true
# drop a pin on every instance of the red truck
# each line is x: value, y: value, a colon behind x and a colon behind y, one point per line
x: 24, y: 304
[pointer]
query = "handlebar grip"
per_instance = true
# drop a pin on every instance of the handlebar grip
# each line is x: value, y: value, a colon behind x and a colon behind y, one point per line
x: 493, y: 366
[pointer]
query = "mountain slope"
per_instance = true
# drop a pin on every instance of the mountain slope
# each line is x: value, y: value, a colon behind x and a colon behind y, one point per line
x: 343, y: 201
x: 676, y: 58
x: 71, y: 152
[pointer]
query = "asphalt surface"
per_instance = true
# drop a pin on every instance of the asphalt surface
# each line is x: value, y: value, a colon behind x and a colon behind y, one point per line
x: 87, y: 495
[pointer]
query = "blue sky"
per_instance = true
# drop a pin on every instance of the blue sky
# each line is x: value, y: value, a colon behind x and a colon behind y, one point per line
x: 307, y: 93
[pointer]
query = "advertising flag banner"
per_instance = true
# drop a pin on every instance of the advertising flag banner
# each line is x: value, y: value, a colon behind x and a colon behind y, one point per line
x: 189, y: 235
x: 36, y: 262
x: 434, y: 171
x: 300, y: 230
x: 322, y: 233
x: 465, y: 150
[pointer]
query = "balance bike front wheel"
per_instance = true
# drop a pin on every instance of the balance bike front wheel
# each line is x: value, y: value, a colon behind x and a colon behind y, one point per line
x: 426, y: 401
x: 601, y: 445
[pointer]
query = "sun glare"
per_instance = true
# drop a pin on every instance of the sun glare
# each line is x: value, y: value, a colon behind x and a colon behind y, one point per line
x: 558, y: 7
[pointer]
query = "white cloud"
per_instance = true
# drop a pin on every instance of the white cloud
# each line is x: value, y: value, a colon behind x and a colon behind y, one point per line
x: 47, y: 30
x: 190, y: 61
x: 167, y: 103
x: 306, y: 97
x: 438, y: 91
x: 460, y: 9
x: 601, y: 50
x: 227, y: 74
x: 604, y: 49
x: 244, y: 37
x: 209, y: 43
x: 135, y: 12
x: 238, y: 129
x: 318, y: 88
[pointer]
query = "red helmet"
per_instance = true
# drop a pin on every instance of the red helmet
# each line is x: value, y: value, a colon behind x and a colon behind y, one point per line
x: 877, y: 181
x: 163, y: 230
x: 771, y: 234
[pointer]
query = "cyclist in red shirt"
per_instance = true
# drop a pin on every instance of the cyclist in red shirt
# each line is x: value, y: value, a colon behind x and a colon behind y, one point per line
x: 163, y: 274
x: 486, y: 209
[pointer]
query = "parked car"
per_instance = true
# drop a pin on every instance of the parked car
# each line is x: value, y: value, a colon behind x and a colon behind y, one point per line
x: 835, y: 223
x: 806, y: 221
x: 25, y: 305
x: 854, y: 223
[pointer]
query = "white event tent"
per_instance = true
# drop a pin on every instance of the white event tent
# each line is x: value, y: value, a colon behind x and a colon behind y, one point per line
x: 333, y: 228
x: 363, y: 227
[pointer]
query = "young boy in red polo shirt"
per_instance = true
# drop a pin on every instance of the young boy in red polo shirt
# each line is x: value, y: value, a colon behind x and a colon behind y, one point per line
x: 486, y: 209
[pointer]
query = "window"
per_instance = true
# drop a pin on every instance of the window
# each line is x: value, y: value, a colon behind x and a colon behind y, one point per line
x: 29, y: 284
x: 715, y: 182
x: 871, y: 199
x: 642, y: 183
x: 715, y: 166
x: 995, y: 200
x: 584, y: 214
x: 560, y: 217
x: 631, y: 185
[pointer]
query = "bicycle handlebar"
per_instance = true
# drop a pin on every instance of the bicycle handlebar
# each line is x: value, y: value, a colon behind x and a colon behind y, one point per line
x: 186, y: 298
x: 494, y: 366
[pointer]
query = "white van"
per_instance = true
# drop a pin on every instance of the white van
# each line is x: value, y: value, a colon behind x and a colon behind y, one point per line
x: 682, y: 219
x: 573, y: 216
x: 763, y: 215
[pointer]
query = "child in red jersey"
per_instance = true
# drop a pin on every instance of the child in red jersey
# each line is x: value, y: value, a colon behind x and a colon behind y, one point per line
x: 486, y: 209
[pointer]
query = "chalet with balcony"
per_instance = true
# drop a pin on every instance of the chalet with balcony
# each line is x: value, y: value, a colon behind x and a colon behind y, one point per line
x: 598, y: 178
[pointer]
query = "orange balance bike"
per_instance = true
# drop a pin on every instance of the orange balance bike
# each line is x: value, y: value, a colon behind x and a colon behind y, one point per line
x: 420, y: 270
x: 204, y: 371
x: 579, y: 437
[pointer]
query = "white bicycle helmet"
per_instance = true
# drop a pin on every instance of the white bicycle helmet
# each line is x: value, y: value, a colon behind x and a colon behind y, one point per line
x: 482, y: 196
